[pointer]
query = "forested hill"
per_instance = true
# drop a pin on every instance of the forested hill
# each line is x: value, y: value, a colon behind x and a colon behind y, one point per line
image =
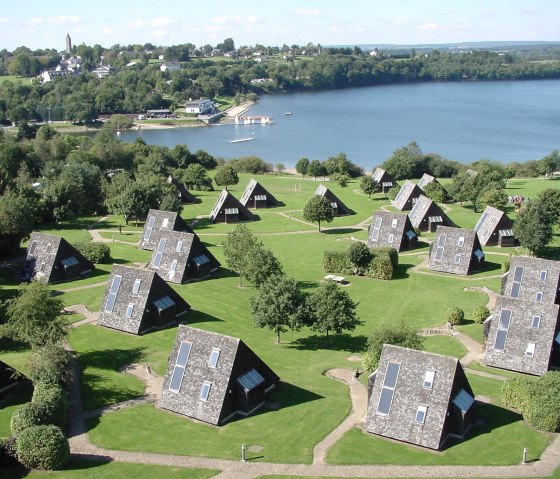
x: 140, y: 85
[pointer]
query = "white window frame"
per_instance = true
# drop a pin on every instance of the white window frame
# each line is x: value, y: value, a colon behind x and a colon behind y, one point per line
x: 539, y: 296
x: 391, y: 239
x: 457, y: 259
x: 214, y: 354
x: 461, y: 241
x: 179, y: 246
x: 429, y: 379
x: 129, y: 310
x: 394, y: 223
x: 530, y: 350
x: 136, y: 286
x: 543, y: 275
x: 536, y: 322
x: 205, y: 390
x: 422, y: 409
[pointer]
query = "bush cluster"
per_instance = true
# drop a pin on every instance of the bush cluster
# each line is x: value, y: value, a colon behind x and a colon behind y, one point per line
x: 480, y: 314
x: 8, y: 455
x: 94, y: 252
x: 42, y: 447
x: 536, y: 399
x: 380, y: 263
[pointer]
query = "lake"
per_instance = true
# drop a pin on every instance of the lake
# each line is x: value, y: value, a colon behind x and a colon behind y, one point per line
x: 506, y: 121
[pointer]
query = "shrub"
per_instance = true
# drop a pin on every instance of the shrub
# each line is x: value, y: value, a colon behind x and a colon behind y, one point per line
x: 42, y: 447
x: 8, y: 452
x: 358, y: 254
x: 49, y: 364
x: 391, y: 252
x: 52, y: 399
x: 480, y: 313
x: 380, y: 268
x: 393, y: 192
x: 28, y: 415
x: 514, y: 392
x: 94, y: 252
x: 336, y: 262
x: 505, y: 265
x: 455, y: 316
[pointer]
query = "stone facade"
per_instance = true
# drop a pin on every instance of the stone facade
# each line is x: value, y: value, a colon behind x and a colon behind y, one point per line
x: 229, y: 209
x: 159, y: 222
x: 521, y: 336
x: 494, y: 228
x: 137, y: 301
x: 532, y: 279
x: 52, y: 259
x: 419, y: 397
x: 426, y: 215
x: 407, y: 196
x: 384, y: 180
x: 340, y: 209
x: 214, y: 378
x: 180, y: 257
x: 455, y: 250
x: 257, y: 196
x: 392, y: 230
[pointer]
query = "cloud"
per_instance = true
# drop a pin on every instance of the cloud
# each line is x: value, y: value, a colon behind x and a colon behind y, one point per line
x: 107, y: 30
x: 162, y: 22
x: 308, y: 12
x: 5, y: 21
x: 531, y: 11
x: 64, y: 19
x: 237, y: 19
x: 138, y: 23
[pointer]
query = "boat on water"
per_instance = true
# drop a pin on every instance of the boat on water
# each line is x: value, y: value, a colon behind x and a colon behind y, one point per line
x: 242, y: 139
x: 288, y: 113
x: 253, y: 120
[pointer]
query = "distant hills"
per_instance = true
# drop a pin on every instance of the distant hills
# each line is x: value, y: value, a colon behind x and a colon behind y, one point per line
x: 494, y: 45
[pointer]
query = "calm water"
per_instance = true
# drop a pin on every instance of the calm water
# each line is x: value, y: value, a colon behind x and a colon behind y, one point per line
x: 506, y: 121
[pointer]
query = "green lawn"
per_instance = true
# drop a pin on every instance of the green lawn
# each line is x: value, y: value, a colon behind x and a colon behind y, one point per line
x: 84, y: 469
x: 486, y: 445
x: 305, y: 395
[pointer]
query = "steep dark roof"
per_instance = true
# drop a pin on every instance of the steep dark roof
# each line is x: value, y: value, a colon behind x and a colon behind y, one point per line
x: 407, y: 196
x: 185, y: 195
x: 179, y: 257
x: 227, y: 206
x: 138, y: 300
x: 455, y: 250
x: 160, y: 221
x: 492, y: 224
x: 419, y: 397
x: 391, y: 229
x: 532, y: 279
x: 427, y: 212
x: 211, y: 377
x: 384, y: 179
x: 257, y: 196
x: 522, y: 335
x: 52, y: 259
x: 340, y: 208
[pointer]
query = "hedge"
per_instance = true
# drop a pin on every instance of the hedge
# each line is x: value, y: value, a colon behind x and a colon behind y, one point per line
x: 42, y: 447
x: 337, y: 262
x: 380, y: 268
x: 28, y: 415
x: 392, y: 252
x: 381, y: 265
x: 94, y: 252
x: 8, y: 455
x: 514, y: 392
x: 53, y: 399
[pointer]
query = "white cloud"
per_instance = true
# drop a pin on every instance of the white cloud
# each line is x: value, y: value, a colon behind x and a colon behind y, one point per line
x: 64, y: 19
x: 308, y: 12
x: 162, y: 22
x: 236, y: 19
x: 428, y: 26
x: 36, y: 21
x: 138, y: 23
x: 107, y: 30
x: 160, y: 33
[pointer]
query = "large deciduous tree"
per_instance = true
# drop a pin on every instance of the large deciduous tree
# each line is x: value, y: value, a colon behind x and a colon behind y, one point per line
x: 226, y: 175
x: 34, y: 317
x: 532, y: 230
x: 404, y: 162
x: 278, y: 306
x: 302, y: 165
x: 368, y: 185
x: 331, y: 309
x: 318, y: 209
x: 237, y: 247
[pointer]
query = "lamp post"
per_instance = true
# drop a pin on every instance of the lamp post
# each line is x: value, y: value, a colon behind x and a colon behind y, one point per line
x: 243, y: 459
x: 524, y: 461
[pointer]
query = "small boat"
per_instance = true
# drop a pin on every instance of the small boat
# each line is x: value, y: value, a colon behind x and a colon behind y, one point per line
x: 241, y: 139
x: 288, y: 113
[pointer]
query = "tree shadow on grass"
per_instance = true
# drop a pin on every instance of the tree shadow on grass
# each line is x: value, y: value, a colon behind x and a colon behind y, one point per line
x: 488, y: 418
x: 337, y: 342
x: 340, y: 231
x: 111, y: 359
x: 98, y: 391
x: 194, y: 316
x: 401, y: 271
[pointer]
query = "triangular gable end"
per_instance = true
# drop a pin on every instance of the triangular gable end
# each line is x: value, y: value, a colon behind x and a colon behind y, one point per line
x: 229, y: 209
x: 340, y: 209
x: 257, y: 196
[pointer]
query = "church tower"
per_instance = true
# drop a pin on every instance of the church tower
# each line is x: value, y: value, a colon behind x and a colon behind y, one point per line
x: 68, y: 44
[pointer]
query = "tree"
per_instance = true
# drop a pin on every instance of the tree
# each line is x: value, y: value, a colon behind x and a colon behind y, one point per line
x: 237, y: 247
x: 404, y: 162
x: 389, y: 333
x: 359, y: 255
x: 341, y: 179
x: 318, y: 209
x: 34, y: 317
x: 315, y: 169
x: 492, y: 195
x: 262, y: 266
x: 532, y: 230
x: 278, y: 306
x: 226, y: 175
x: 435, y: 192
x: 195, y: 177
x: 19, y: 212
x: 550, y: 163
x: 480, y: 313
x: 331, y: 309
x: 547, y: 203
x: 368, y: 185
x: 455, y: 316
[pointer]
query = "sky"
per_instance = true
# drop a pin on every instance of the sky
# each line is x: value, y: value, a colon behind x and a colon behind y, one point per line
x: 40, y: 24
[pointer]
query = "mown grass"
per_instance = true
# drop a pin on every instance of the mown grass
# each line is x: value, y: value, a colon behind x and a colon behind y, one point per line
x: 446, y: 345
x: 486, y: 445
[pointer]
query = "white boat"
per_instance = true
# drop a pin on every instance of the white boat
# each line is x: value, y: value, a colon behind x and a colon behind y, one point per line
x: 253, y: 120
x: 288, y: 113
x: 241, y: 139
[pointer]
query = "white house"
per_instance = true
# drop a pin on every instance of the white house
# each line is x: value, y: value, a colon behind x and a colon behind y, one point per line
x: 204, y: 105
x: 169, y: 66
